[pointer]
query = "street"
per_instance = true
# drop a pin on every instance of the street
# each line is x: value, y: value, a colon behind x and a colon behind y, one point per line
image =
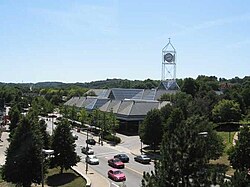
x: 130, y: 146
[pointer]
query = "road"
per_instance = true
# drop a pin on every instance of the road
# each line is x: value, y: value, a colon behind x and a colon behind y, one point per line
x: 133, y: 170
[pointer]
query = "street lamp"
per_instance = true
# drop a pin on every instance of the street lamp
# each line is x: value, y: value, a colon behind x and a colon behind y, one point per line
x: 52, y: 116
x: 141, y: 147
x: 204, y: 134
x: 87, y: 147
x: 45, y: 152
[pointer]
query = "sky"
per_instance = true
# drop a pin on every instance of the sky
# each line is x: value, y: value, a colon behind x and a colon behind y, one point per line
x: 88, y: 40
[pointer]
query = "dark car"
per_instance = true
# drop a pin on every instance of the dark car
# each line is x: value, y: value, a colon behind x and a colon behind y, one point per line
x: 91, y: 141
x: 116, y: 175
x: 144, y: 159
x: 116, y: 163
x: 123, y: 157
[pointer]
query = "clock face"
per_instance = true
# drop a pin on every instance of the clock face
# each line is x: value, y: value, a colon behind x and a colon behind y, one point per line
x: 168, y: 57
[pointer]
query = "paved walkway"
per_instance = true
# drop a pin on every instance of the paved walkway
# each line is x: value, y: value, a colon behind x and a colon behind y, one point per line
x: 92, y: 176
x: 3, y: 147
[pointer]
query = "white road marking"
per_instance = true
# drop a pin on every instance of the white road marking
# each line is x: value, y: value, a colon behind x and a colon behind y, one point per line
x: 114, y: 184
x: 106, y: 154
x: 134, y: 171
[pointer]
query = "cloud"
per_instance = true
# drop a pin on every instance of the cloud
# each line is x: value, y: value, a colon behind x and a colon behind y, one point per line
x: 239, y: 44
x: 81, y: 17
x: 210, y: 24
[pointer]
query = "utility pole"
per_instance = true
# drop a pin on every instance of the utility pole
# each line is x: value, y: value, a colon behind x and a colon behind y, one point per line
x: 87, y: 147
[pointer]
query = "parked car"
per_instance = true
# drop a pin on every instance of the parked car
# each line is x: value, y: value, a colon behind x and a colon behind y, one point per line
x: 116, y: 175
x: 92, y: 159
x: 144, y: 159
x: 87, y: 150
x: 91, y: 141
x: 75, y: 136
x: 123, y: 157
x: 116, y: 163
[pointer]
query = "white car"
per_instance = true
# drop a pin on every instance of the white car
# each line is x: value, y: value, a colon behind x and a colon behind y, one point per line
x: 74, y: 136
x: 92, y: 159
x: 87, y: 150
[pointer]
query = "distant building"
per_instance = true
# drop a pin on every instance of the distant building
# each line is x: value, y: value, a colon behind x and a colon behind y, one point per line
x: 129, y: 105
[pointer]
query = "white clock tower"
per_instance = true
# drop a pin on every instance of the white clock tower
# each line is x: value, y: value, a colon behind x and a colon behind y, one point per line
x: 168, y: 76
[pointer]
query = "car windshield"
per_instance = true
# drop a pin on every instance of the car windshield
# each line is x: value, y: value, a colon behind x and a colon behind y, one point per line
x: 116, y: 160
x: 117, y: 172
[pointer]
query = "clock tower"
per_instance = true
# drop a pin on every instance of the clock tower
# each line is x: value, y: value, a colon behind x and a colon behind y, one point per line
x: 168, y: 76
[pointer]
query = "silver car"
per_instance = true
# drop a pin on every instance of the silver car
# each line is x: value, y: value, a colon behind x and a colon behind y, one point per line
x: 92, y: 159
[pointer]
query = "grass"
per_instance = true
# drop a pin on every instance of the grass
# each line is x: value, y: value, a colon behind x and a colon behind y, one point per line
x: 67, y: 179
x: 228, y: 142
x: 53, y: 178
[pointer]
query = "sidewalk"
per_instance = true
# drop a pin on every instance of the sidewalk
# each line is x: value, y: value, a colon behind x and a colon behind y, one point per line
x: 3, y: 147
x: 93, y: 178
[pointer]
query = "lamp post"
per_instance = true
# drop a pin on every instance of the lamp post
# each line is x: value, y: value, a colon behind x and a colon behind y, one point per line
x: 141, y: 147
x: 87, y: 147
x: 204, y: 134
x: 45, y: 152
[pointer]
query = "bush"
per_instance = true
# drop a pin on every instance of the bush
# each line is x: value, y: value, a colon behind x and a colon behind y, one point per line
x: 112, y: 138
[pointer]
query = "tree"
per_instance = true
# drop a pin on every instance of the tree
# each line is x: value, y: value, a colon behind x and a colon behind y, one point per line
x: 82, y: 116
x: 240, y: 178
x: 45, y: 135
x: 63, y: 145
x: 239, y: 156
x: 182, y: 100
x: 151, y: 129
x: 15, y: 116
x: 226, y: 111
x: 189, y: 86
x: 24, y: 156
x: 185, y: 152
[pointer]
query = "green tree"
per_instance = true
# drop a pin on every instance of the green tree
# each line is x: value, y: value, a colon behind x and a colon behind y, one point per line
x: 190, y: 86
x: 64, y: 145
x: 23, y: 156
x: 239, y: 156
x: 45, y: 135
x: 239, y: 179
x: 151, y: 129
x: 185, y: 152
x: 15, y: 116
x: 82, y: 116
x: 182, y: 100
x: 226, y: 111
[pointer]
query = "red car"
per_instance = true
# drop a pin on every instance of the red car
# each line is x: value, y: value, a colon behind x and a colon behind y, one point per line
x: 116, y: 175
x: 116, y: 163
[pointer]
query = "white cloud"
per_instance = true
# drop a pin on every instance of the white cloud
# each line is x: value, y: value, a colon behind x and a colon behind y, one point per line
x: 210, y: 24
x: 82, y: 17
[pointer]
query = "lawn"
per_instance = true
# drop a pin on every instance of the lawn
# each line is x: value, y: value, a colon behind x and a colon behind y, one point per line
x: 53, y: 178
x: 228, y: 142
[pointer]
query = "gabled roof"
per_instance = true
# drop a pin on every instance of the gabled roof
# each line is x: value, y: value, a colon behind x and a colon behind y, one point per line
x: 169, y: 85
x: 96, y: 103
x: 122, y: 93
x: 111, y: 105
x: 73, y: 101
x: 80, y: 101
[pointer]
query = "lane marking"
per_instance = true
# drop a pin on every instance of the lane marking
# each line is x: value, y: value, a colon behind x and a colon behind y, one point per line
x: 106, y: 153
x: 134, y: 170
x: 114, y: 184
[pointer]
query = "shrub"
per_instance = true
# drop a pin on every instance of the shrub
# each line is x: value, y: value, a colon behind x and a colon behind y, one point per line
x: 112, y: 138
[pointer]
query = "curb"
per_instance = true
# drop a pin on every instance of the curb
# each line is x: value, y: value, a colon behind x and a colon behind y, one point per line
x: 88, y: 181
